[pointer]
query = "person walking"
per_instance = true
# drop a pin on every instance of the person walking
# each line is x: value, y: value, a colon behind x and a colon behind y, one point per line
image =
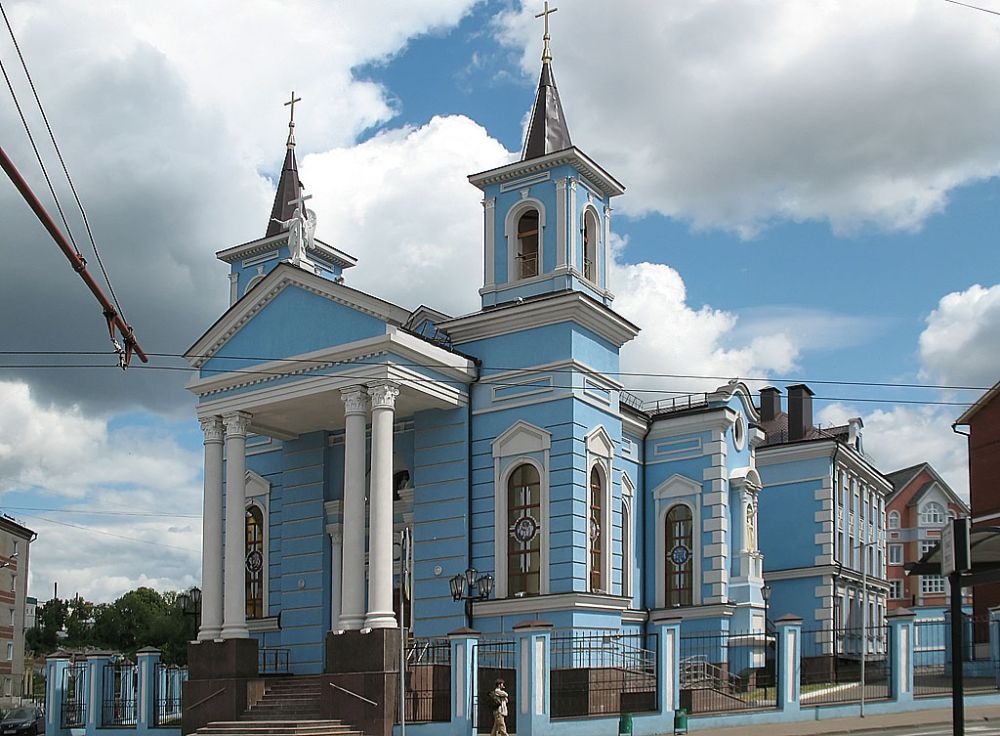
x: 499, y: 697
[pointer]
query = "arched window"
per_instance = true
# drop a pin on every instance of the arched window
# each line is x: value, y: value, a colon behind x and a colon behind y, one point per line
x: 255, y: 562
x: 932, y: 514
x: 524, y: 533
x: 527, y: 245
x: 678, y: 564
x: 590, y: 238
x: 893, y: 520
x: 594, y: 532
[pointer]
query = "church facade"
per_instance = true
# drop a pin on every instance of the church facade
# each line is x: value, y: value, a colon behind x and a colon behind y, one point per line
x: 502, y: 441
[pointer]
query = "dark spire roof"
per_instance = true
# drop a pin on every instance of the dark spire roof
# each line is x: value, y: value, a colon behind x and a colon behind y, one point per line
x: 547, y: 130
x: 289, y: 188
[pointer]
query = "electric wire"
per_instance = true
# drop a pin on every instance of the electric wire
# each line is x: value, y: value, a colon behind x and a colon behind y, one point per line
x: 62, y: 162
x: 88, y: 512
x: 111, y: 534
x: 974, y: 7
x: 38, y: 155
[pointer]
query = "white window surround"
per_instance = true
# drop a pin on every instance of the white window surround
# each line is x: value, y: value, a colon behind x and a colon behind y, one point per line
x: 600, y: 450
x: 932, y: 514
x: 893, y: 519
x: 895, y: 554
x: 590, y: 211
x: 895, y: 589
x: 677, y: 489
x: 628, y: 535
x: 510, y: 231
x: 932, y: 585
x: 520, y: 443
x: 258, y: 493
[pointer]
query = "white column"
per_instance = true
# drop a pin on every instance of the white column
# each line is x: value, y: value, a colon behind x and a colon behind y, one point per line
x: 336, y: 573
x: 380, y: 613
x: 234, y: 624
x: 211, y: 533
x: 352, y: 581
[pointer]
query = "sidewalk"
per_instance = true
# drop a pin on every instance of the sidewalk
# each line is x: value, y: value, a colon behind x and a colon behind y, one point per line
x: 889, y: 721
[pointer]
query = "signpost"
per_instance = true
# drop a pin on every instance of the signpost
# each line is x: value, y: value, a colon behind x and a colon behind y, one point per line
x: 956, y: 558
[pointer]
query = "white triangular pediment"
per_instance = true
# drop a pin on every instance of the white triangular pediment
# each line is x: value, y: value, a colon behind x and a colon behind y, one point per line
x: 256, y: 484
x: 677, y: 485
x: 599, y: 443
x: 521, y: 438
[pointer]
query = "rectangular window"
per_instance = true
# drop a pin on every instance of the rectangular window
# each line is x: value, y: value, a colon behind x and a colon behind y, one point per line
x: 10, y: 650
x: 896, y: 589
x: 895, y: 554
x: 13, y: 582
x: 7, y: 688
x: 12, y: 611
x: 931, y: 585
x: 926, y: 545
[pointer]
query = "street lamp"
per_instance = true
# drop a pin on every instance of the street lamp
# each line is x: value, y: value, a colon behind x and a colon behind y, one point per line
x: 190, y: 604
x: 471, y: 586
x: 765, y: 593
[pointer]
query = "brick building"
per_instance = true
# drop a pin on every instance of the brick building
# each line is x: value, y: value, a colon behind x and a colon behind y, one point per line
x: 14, y: 542
x: 919, y: 505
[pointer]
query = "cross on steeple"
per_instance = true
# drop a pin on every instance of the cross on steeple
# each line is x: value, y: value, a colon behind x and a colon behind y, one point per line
x: 546, y: 53
x: 291, y: 119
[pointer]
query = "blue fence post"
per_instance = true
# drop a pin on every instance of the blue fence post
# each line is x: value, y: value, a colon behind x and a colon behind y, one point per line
x: 995, y: 642
x: 901, y: 632
x: 789, y: 661
x: 95, y: 691
x: 668, y: 633
x: 147, y: 659
x: 533, y: 645
x: 464, y: 681
x: 55, y: 669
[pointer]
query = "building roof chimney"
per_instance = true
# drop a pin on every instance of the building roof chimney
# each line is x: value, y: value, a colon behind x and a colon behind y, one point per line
x: 770, y: 403
x: 800, y: 412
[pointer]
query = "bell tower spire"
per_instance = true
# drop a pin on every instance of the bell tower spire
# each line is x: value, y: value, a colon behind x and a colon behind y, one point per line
x: 289, y: 186
x: 547, y: 129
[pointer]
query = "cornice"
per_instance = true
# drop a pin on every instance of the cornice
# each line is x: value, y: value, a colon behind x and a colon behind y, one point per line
x: 571, y: 306
x: 552, y: 602
x: 255, y: 247
x: 597, y: 178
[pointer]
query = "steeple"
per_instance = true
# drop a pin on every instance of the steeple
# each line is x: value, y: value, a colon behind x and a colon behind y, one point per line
x: 289, y: 186
x: 547, y: 130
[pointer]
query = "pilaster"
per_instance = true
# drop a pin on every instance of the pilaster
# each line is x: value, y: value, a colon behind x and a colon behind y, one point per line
x: 489, y: 241
x: 336, y: 573
x: 147, y: 659
x: 789, y: 659
x: 668, y: 632
x: 95, y: 690
x: 55, y: 679
x: 901, y: 655
x: 533, y: 644
x: 464, y: 679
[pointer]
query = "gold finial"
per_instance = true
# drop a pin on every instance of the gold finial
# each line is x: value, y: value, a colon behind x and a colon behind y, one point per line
x: 291, y: 119
x: 546, y: 53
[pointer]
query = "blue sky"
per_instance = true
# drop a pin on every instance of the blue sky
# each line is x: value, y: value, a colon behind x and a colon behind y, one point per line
x: 812, y: 194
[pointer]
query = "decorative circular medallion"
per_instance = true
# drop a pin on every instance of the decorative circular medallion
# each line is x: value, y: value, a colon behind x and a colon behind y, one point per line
x: 679, y: 555
x: 255, y: 561
x: 524, y: 529
x: 595, y: 529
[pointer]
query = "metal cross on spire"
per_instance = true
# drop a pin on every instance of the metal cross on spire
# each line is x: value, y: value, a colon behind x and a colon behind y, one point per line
x: 291, y: 119
x: 546, y: 53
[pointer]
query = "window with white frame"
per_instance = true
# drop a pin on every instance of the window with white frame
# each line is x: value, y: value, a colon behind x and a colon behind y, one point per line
x: 527, y: 244
x: 926, y: 545
x: 595, y: 533
x: 591, y: 230
x: 931, y: 585
x: 895, y: 554
x: 895, y: 589
x: 10, y: 650
x: 932, y: 514
x: 893, y: 520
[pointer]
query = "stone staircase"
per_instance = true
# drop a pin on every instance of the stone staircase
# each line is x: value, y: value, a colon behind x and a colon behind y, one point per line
x: 290, y: 707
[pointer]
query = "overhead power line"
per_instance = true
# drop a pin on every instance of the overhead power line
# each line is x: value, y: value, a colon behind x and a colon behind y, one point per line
x: 974, y: 7
x: 94, y: 530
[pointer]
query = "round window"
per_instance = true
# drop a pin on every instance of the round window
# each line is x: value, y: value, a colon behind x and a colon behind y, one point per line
x: 739, y: 432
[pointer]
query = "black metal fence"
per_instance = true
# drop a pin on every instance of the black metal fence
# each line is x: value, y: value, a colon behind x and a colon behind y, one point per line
x: 831, y: 668
x: 726, y: 671
x: 428, y: 680
x: 74, y: 695
x: 167, y: 696
x: 602, y: 673
x: 497, y: 660
x: 119, y: 701
x: 273, y: 661
x: 932, y: 656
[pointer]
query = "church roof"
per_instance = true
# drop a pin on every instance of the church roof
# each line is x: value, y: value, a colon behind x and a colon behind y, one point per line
x: 547, y: 129
x: 289, y: 188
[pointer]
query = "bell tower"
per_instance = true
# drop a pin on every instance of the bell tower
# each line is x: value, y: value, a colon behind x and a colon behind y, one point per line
x: 546, y: 217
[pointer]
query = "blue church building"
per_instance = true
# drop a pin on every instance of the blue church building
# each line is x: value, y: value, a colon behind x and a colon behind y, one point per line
x: 501, y: 441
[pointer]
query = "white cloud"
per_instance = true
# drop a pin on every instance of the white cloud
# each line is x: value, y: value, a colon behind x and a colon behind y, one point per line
x: 62, y: 459
x: 903, y: 436
x: 737, y: 114
x: 961, y: 342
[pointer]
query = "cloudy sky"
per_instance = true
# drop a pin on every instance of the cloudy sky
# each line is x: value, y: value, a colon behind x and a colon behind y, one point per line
x: 813, y: 195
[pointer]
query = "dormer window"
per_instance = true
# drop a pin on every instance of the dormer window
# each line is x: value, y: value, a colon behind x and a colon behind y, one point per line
x: 590, y: 237
x: 527, y: 245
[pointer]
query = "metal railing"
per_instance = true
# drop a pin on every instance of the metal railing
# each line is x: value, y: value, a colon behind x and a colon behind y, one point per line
x: 726, y: 671
x: 497, y: 660
x: 74, y: 695
x: 528, y: 266
x: 830, y: 671
x: 602, y: 673
x: 932, y: 656
x: 167, y: 707
x: 273, y: 661
x: 120, y: 699
x: 588, y: 269
x: 428, y: 681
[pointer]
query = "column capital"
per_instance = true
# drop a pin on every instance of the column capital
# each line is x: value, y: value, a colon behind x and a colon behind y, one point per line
x: 355, y: 399
x: 212, y: 427
x: 236, y: 423
x: 336, y: 532
x: 383, y: 395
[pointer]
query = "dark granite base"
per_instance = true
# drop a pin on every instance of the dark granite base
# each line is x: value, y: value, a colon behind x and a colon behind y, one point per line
x: 221, y: 675
x: 367, y: 665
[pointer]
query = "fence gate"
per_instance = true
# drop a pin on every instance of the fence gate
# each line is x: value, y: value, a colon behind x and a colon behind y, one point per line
x: 932, y: 656
x: 74, y: 698
x: 428, y: 680
x: 831, y: 672
x: 120, y: 697
x: 725, y: 671
x: 497, y: 659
